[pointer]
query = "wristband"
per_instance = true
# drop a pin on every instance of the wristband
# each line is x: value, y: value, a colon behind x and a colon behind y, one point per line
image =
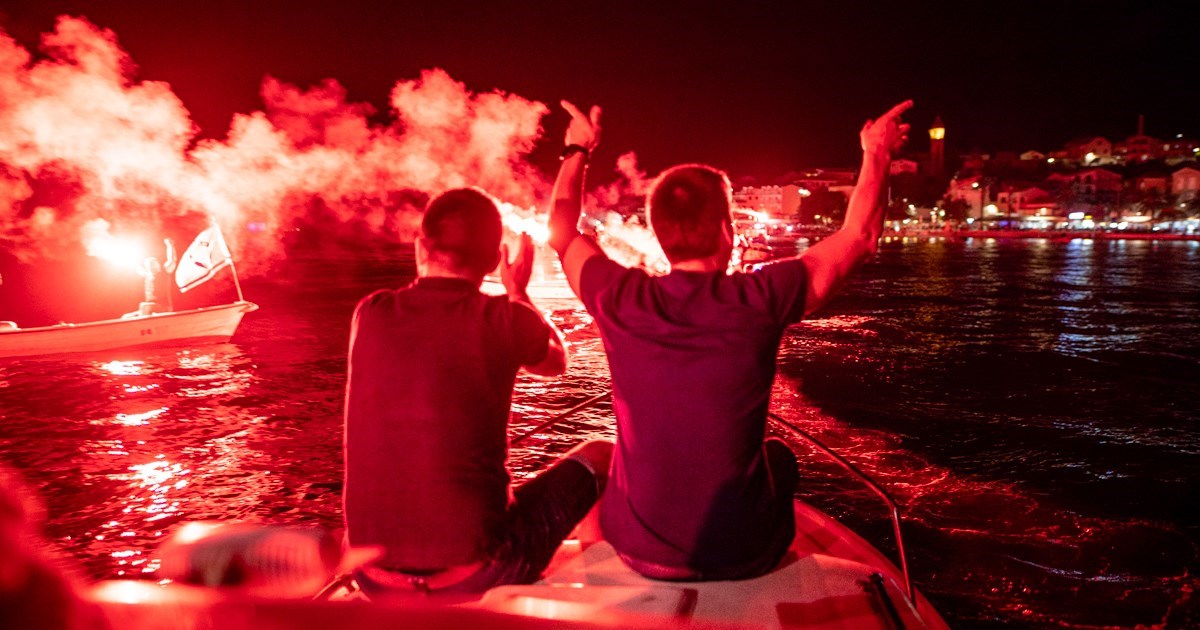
x: 572, y: 149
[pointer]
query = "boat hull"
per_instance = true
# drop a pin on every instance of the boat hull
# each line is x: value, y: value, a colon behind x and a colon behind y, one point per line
x: 201, y: 325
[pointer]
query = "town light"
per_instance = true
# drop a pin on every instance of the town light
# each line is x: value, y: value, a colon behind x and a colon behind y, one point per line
x: 937, y: 133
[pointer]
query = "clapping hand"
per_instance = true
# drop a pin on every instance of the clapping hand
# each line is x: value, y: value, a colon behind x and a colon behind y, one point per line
x: 514, y: 274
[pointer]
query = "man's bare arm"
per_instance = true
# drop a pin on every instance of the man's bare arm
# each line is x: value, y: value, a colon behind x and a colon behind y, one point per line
x: 566, y: 199
x: 830, y: 261
x: 515, y: 274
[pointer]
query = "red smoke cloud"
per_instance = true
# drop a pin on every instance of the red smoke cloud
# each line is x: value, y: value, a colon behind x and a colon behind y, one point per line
x: 84, y: 146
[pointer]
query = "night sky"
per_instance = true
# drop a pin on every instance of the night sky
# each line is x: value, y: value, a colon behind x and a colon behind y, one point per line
x: 755, y: 88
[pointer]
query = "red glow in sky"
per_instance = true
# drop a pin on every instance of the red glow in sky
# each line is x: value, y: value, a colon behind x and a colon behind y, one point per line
x: 756, y: 89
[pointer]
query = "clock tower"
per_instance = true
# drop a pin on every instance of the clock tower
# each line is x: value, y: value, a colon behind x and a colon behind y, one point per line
x: 937, y: 148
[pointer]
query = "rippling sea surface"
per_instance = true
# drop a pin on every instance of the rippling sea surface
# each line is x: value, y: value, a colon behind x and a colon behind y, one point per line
x: 1034, y: 406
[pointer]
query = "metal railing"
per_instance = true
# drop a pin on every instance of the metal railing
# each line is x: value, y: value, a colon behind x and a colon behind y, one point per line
x: 560, y: 417
x: 909, y: 590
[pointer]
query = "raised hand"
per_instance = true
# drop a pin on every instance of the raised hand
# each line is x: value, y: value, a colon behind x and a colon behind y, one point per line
x: 885, y: 135
x: 515, y: 274
x: 583, y: 130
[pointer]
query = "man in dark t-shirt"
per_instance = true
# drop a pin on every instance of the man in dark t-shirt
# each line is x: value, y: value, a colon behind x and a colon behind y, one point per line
x: 431, y: 373
x: 695, y: 492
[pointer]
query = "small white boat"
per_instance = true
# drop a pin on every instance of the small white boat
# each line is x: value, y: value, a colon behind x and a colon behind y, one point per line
x: 145, y: 327
x: 200, y: 325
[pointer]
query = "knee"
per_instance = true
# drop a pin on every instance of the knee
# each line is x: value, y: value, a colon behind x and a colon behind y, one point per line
x: 596, y: 456
x: 778, y: 451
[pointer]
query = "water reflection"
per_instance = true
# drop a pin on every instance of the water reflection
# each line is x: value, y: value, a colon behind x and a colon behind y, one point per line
x: 1034, y: 413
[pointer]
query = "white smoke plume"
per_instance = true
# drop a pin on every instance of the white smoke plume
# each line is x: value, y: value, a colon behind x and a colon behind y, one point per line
x: 82, y: 141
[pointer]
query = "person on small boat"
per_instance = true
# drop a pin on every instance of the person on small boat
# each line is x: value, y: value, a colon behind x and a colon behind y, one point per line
x: 431, y: 373
x: 695, y: 491
x: 156, y: 286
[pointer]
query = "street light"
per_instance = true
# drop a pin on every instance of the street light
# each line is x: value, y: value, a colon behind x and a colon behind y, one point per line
x: 982, y: 191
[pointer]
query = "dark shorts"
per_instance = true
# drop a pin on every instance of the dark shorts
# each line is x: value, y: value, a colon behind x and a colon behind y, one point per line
x: 781, y: 463
x: 544, y: 511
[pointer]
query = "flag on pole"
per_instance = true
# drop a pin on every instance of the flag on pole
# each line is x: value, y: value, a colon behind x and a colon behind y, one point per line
x: 202, y: 260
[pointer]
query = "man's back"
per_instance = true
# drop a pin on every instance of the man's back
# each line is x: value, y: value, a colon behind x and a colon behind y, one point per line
x: 431, y: 375
x: 692, y: 356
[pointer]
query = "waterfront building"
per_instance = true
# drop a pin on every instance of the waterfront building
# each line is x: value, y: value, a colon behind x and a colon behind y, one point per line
x: 1151, y: 183
x: 792, y: 198
x: 1025, y: 200
x: 780, y: 202
x: 1181, y: 148
x: 768, y: 199
x: 1090, y: 150
x: 1139, y: 147
x: 973, y: 191
x: 1185, y: 184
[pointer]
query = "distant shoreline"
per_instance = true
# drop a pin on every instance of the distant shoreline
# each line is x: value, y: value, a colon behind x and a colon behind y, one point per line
x: 1054, y: 235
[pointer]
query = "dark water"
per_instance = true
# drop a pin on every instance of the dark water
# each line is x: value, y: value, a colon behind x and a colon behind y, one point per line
x: 1033, y: 405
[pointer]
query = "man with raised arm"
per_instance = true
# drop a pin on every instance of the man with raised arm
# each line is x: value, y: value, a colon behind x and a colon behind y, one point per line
x: 431, y: 373
x: 695, y: 492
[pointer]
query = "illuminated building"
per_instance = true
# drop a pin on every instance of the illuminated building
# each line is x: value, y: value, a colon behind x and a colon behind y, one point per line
x: 782, y: 202
x: 768, y: 199
x: 1090, y: 150
x: 1139, y: 147
x: 1185, y: 183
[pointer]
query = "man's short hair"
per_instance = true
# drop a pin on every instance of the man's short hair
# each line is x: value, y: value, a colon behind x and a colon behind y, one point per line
x: 463, y: 226
x: 688, y: 209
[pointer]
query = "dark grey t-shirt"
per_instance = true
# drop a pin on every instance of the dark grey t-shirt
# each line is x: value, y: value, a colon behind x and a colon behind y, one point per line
x: 692, y: 357
x: 430, y: 382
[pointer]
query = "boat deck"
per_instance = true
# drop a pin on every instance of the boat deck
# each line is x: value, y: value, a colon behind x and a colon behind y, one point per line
x: 830, y: 579
x: 824, y: 582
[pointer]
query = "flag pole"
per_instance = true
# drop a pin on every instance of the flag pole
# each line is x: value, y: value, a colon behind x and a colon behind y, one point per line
x: 232, y: 267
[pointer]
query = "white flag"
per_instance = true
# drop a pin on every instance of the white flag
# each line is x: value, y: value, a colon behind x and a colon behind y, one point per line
x: 202, y: 260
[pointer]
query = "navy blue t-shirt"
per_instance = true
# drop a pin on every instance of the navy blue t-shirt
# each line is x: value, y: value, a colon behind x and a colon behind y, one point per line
x: 692, y: 357
x: 431, y: 372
